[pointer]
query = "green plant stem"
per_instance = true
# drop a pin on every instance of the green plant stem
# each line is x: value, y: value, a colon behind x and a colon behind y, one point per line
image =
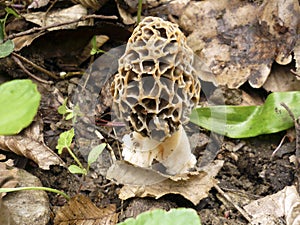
x: 2, y: 190
x: 139, y: 11
x: 74, y: 157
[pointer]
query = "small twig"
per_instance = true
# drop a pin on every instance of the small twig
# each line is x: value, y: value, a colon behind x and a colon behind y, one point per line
x: 297, y: 151
x: 278, y: 147
x: 242, y: 211
x: 297, y: 128
x: 296, y: 73
x: 35, y: 66
x: 19, y: 63
x: 36, y: 29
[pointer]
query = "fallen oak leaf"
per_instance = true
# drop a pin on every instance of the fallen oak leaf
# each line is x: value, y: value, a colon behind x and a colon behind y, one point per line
x: 80, y: 210
x: 193, y: 189
x: 29, y: 143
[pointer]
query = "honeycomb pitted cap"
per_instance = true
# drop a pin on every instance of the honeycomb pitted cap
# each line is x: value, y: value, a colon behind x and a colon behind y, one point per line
x: 156, y: 86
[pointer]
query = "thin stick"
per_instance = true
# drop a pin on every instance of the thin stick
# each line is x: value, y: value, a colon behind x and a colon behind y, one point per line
x: 35, y: 66
x: 297, y: 151
x: 242, y: 211
x: 36, y: 29
x: 278, y: 147
x: 19, y: 63
x: 297, y: 128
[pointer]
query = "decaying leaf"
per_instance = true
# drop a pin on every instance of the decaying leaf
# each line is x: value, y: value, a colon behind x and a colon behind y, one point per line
x: 80, y: 210
x: 238, y: 46
x: 125, y: 173
x: 56, y: 17
x: 283, y: 204
x: 31, y: 145
x: 26, y: 40
x: 281, y: 79
x: 297, y: 58
x: 193, y: 189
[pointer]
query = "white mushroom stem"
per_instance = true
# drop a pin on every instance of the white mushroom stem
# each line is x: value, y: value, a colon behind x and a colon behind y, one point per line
x: 174, y: 153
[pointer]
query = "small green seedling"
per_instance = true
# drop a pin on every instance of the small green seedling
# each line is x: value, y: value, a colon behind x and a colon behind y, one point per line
x: 8, y: 46
x: 179, y: 216
x: 64, y: 142
x: 95, y: 50
x: 4, y: 190
x: 66, y: 111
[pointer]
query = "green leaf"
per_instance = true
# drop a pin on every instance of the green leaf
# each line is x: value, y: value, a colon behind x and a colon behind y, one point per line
x: 95, y: 152
x: 179, y: 216
x: 63, y: 108
x: 70, y: 115
x: 6, y: 48
x: 250, y: 121
x: 76, y: 169
x: 19, y: 102
x: 65, y: 140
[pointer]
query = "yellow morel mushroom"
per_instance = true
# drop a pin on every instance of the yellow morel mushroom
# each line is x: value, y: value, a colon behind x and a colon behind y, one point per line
x: 154, y: 91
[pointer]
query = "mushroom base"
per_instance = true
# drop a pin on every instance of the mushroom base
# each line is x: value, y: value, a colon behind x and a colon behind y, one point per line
x: 174, y: 153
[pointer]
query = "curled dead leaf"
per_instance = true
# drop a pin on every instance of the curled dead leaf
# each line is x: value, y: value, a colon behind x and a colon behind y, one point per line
x: 30, y: 144
x: 193, y: 189
x: 56, y: 17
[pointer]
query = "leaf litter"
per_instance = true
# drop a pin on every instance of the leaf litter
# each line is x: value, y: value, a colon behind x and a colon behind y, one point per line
x: 237, y: 46
x: 30, y: 144
x: 232, y: 72
x: 80, y: 210
x: 194, y: 187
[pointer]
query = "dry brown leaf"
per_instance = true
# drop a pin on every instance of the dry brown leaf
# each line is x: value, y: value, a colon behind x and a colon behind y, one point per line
x: 281, y: 79
x: 283, y: 204
x: 124, y: 173
x: 56, y: 17
x: 193, y: 189
x: 30, y: 144
x: 297, y: 58
x: 24, y: 41
x: 80, y: 210
x: 281, y: 19
x: 236, y: 45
